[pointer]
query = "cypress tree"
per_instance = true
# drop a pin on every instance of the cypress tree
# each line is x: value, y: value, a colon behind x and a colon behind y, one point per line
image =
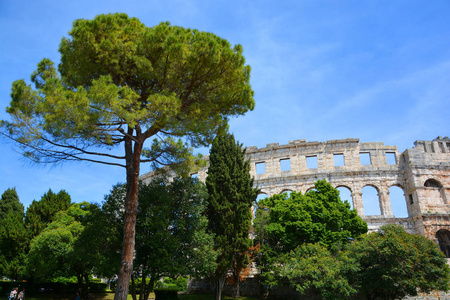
x: 229, y: 210
x: 10, y: 202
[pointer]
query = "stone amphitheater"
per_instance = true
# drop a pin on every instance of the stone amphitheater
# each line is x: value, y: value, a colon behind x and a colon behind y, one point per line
x: 422, y: 173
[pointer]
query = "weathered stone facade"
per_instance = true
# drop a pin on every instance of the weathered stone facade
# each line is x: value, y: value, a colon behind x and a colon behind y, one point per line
x: 423, y: 173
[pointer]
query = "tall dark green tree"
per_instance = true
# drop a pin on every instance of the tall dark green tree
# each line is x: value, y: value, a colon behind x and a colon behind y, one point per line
x: 10, y: 203
x: 43, y: 212
x: 13, y: 235
x: 231, y: 194
x: 149, y: 92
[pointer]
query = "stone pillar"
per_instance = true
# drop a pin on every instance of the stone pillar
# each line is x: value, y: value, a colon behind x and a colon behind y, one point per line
x: 385, y: 202
x: 358, y: 203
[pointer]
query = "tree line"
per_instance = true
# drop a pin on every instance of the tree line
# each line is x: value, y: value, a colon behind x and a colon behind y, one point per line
x: 312, y: 242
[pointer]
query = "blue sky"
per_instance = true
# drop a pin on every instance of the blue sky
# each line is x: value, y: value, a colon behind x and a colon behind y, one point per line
x: 373, y: 70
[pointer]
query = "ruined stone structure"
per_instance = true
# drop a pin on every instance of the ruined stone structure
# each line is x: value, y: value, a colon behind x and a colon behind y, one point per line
x: 423, y: 173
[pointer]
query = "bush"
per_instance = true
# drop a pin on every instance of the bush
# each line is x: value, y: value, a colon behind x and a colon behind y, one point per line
x: 166, y: 293
x: 179, y: 282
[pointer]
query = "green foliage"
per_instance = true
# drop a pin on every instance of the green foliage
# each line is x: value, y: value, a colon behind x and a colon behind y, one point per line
x: 179, y: 282
x: 284, y: 223
x: 10, y: 203
x: 53, y: 252
x: 13, y: 245
x: 171, y: 238
x: 311, y: 268
x: 319, y: 216
x: 117, y: 73
x: 394, y: 264
x: 13, y: 235
x: 41, y: 213
x: 171, y: 229
x: 230, y: 199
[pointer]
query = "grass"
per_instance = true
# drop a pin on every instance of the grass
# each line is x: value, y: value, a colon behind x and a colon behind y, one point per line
x: 110, y: 296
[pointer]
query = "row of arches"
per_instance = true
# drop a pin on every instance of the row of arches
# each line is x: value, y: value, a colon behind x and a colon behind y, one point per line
x: 374, y: 199
x: 370, y: 199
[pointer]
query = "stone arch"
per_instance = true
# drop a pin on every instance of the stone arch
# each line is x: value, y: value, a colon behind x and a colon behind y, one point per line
x: 287, y: 191
x: 443, y: 237
x: 398, y: 201
x: 345, y: 193
x: 310, y: 189
x: 434, y: 192
x: 432, y: 183
x: 261, y: 195
x: 371, y: 200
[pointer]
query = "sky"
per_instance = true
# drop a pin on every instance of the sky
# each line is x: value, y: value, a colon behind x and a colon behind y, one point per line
x: 321, y: 70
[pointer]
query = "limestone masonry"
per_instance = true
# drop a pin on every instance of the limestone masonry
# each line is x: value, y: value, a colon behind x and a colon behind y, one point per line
x: 423, y: 173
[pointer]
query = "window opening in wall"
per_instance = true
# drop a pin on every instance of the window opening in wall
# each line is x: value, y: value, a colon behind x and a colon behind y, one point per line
x: 260, y: 168
x: 411, y: 200
x: 285, y: 164
x: 194, y: 175
x: 448, y: 146
x: 443, y: 237
x: 364, y: 158
x: 338, y: 160
x: 346, y: 195
x: 432, y: 183
x: 441, y: 145
x: 390, y: 158
x: 371, y: 201
x: 311, y: 162
x: 398, y: 202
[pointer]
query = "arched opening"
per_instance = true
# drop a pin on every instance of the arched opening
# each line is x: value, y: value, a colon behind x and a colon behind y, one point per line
x: 432, y: 183
x: 345, y: 194
x: 371, y: 201
x: 310, y: 189
x: 398, y: 202
x: 443, y: 237
x: 287, y: 192
x: 433, y: 192
x: 255, y: 205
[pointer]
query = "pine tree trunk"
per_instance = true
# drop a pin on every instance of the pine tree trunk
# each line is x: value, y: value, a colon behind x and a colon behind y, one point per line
x: 131, y: 203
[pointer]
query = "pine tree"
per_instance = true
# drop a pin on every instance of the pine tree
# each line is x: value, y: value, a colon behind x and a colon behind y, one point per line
x: 229, y: 210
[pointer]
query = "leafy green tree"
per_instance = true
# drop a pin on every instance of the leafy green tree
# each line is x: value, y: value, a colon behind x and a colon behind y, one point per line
x: 231, y: 194
x: 122, y: 83
x: 10, y: 203
x: 283, y: 223
x: 56, y: 251
x: 171, y: 237
x: 313, y: 269
x: 394, y: 264
x: 43, y: 212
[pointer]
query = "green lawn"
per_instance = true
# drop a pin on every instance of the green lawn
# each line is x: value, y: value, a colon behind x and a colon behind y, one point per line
x: 110, y: 296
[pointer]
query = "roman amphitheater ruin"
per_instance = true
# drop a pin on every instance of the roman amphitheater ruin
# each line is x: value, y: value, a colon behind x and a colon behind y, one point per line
x: 422, y: 173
